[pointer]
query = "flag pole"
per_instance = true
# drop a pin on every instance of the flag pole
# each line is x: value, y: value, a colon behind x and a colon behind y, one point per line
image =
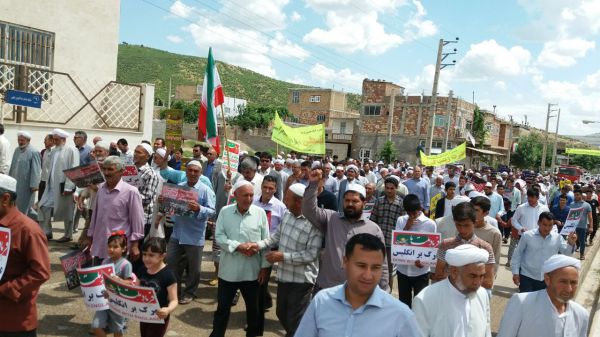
x: 226, y: 143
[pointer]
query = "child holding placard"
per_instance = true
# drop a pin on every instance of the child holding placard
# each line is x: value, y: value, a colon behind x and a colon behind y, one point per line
x: 106, y: 320
x: 156, y: 275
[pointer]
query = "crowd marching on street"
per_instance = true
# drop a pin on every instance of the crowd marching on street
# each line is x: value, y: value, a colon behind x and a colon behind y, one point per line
x: 328, y: 225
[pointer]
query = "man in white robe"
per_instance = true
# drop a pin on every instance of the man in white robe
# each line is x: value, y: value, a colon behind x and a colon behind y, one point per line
x: 57, y: 200
x: 26, y: 168
x: 466, y: 308
x: 549, y: 312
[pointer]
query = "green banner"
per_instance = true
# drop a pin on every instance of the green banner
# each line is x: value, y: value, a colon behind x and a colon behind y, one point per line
x: 587, y: 152
x: 305, y: 139
x: 454, y: 155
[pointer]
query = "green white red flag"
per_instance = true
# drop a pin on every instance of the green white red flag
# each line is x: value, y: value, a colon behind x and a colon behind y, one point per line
x: 212, y: 98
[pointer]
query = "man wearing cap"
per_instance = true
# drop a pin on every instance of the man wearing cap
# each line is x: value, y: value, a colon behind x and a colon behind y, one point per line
x: 550, y: 312
x: 57, y: 201
x: 241, y: 266
x: 337, y: 228
x: 4, y: 148
x: 27, y: 267
x: 149, y: 182
x: 458, y: 305
x: 346, y: 184
x: 188, y: 233
x: 299, y: 244
x: 26, y: 168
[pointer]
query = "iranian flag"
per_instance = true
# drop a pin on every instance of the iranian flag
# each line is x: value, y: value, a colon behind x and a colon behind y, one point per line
x: 212, y: 98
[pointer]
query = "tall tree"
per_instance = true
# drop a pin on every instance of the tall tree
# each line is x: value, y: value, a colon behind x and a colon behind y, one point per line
x: 388, y: 152
x: 479, y: 130
x: 529, y: 152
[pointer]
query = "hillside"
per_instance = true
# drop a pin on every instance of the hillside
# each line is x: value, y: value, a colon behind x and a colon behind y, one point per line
x: 143, y: 64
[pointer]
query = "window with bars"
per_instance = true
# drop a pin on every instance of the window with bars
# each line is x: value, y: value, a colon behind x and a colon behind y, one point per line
x: 26, y: 46
x: 365, y: 153
x: 320, y: 118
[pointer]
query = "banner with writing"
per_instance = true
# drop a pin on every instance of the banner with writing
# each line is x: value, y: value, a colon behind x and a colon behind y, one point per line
x: 433, y: 204
x: 133, y: 302
x: 176, y: 198
x: 451, y: 156
x: 306, y: 139
x: 4, y: 248
x: 572, y: 221
x: 408, y: 247
x: 70, y: 262
x: 233, y: 153
x: 92, y: 286
x: 85, y: 175
x: 586, y: 152
x: 132, y: 176
x: 174, y: 128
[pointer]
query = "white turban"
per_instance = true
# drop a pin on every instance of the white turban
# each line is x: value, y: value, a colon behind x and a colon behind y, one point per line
x: 352, y: 167
x: 459, y: 199
x: 559, y: 261
x: 358, y: 189
x: 24, y: 134
x: 466, y: 254
x: 161, y: 152
x: 60, y: 133
x: 194, y: 163
x: 279, y: 161
x: 298, y: 189
x: 8, y: 183
x: 316, y: 164
x: 241, y: 183
x: 148, y: 148
x: 103, y: 145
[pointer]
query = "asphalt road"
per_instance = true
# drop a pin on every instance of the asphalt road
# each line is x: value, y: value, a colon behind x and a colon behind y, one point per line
x: 62, y: 312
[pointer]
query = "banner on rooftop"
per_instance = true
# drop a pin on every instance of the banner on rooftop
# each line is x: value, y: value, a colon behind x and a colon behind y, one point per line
x: 587, y: 152
x: 454, y: 155
x: 305, y: 139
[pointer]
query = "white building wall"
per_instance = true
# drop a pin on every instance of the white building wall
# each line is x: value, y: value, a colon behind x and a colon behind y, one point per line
x: 231, y: 106
x: 336, y: 126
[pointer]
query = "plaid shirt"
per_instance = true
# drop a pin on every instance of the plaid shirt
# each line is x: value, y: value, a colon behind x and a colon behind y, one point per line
x: 300, y: 243
x: 148, y: 190
x: 385, y: 214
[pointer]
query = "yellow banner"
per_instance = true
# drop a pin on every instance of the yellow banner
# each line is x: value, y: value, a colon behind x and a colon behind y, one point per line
x: 305, y: 139
x: 456, y: 154
x: 587, y: 152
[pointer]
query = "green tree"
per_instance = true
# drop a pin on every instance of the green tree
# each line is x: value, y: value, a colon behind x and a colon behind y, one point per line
x: 529, y: 152
x: 479, y: 130
x: 256, y: 116
x: 388, y: 152
x: 190, y: 110
x: 590, y: 163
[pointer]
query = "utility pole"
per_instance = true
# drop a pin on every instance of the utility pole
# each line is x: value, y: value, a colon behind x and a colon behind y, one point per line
x: 449, y: 120
x: 510, y: 140
x: 546, y: 137
x: 555, y: 143
x: 391, y: 118
x: 441, y: 56
x: 169, y: 101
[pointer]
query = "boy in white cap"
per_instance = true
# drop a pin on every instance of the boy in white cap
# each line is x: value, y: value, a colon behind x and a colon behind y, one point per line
x: 26, y: 168
x: 550, y: 312
x: 466, y: 307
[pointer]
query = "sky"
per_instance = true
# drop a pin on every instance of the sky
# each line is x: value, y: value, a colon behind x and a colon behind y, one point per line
x: 517, y: 55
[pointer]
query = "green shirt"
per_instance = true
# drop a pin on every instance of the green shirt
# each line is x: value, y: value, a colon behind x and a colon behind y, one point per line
x: 233, y: 229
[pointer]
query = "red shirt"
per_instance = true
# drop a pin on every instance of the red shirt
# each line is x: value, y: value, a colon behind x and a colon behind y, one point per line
x: 28, y: 267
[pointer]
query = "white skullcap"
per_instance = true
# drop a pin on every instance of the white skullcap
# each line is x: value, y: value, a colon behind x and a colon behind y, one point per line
x: 504, y: 173
x: 279, y: 161
x: 358, y: 189
x: 341, y: 168
x: 60, y: 133
x: 298, y: 189
x: 278, y: 156
x: 148, y: 148
x: 24, y: 134
x: 103, y: 145
x: 194, y: 163
x: 288, y: 155
x: 469, y: 188
x: 352, y: 167
x: 459, y: 199
x: 161, y: 152
x: 289, y: 160
x: 466, y: 254
x: 380, y: 163
x: 316, y: 164
x: 8, y: 183
x: 558, y: 261
x: 488, y: 185
x: 241, y: 183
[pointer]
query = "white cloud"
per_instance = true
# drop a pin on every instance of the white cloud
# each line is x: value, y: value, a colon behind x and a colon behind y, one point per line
x: 262, y: 15
x: 174, y: 38
x: 330, y: 77
x: 500, y: 85
x: 488, y: 59
x: 417, y: 27
x: 564, y: 53
x: 282, y: 47
x: 295, y: 16
x: 180, y: 9
x: 423, y: 83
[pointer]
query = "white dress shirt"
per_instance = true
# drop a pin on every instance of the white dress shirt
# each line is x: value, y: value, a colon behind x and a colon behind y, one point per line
x: 526, y: 217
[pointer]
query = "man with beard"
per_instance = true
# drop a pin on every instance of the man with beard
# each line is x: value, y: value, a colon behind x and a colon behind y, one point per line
x: 337, y: 228
x: 26, y: 168
x: 348, y: 183
x: 549, y: 312
x: 458, y: 305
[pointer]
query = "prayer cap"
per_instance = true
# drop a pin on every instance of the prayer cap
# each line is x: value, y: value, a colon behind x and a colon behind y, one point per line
x: 103, y: 145
x: 488, y: 185
x: 279, y: 161
x: 558, y: 261
x: 459, y: 199
x: 241, y: 183
x: 298, y: 189
x: 24, y: 134
x: 8, y: 183
x: 466, y: 254
x: 341, y: 168
x: 358, y: 189
x: 289, y: 160
x: 352, y: 167
x: 316, y: 164
x: 194, y: 163
x: 60, y: 133
x: 148, y: 148
x: 161, y: 152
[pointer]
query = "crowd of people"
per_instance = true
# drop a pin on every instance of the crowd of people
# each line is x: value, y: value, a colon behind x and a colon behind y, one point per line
x: 325, y: 223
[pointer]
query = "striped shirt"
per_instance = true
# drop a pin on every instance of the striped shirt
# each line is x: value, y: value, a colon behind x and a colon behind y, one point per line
x: 300, y: 243
x: 148, y: 190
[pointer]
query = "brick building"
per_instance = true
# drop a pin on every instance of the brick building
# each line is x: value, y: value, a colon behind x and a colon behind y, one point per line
x: 310, y: 106
x: 385, y: 106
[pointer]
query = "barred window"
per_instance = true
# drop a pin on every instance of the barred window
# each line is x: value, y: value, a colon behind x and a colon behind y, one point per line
x: 26, y: 46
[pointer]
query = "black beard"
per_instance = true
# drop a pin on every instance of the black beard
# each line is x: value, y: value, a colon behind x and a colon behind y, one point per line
x: 352, y: 214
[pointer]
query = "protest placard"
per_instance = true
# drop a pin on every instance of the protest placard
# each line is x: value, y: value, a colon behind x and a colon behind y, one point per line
x: 408, y: 247
x: 368, y: 209
x: 233, y: 151
x: 433, y: 204
x: 174, y: 128
x: 132, y: 176
x: 176, y: 199
x: 133, y: 302
x: 4, y: 248
x: 85, y: 175
x: 572, y: 221
x: 92, y: 286
x: 70, y: 262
